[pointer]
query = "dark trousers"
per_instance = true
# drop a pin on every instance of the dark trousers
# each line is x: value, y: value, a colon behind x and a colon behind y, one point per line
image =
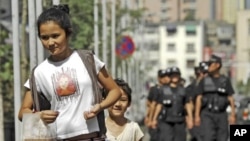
x: 170, y: 131
x: 195, y: 133
x: 214, y: 126
x: 154, y: 134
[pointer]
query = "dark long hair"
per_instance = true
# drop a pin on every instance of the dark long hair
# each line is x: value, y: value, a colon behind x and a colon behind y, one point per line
x: 124, y: 86
x: 58, y: 14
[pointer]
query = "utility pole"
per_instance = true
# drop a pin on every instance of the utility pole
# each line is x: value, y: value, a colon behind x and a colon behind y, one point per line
x: 96, y: 34
x: 104, y: 32
x: 16, y: 66
x: 123, y: 26
x: 113, y: 39
x: 32, y: 33
x: 40, y: 49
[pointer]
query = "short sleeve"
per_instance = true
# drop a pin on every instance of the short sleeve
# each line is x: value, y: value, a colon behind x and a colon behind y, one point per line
x: 27, y: 84
x: 151, y: 93
x: 160, y: 96
x: 199, y: 87
x: 98, y: 64
x: 229, y: 87
x: 138, y: 132
x: 189, y: 92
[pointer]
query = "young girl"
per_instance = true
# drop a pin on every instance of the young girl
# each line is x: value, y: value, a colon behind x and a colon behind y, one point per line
x: 120, y: 128
x: 65, y: 82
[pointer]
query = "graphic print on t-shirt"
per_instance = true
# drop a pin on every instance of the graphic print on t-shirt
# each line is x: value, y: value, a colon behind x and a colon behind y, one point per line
x: 65, y: 83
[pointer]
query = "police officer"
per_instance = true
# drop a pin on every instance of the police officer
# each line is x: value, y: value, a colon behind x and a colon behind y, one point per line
x: 171, y: 109
x: 214, y: 95
x: 199, y: 71
x: 163, y: 79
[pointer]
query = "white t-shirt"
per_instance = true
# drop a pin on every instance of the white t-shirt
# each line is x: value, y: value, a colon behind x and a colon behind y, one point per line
x: 131, y: 132
x: 69, y: 88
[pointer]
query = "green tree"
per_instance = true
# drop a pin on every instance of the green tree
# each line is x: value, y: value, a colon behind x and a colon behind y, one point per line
x: 6, y: 75
x: 190, y: 16
x: 83, y: 22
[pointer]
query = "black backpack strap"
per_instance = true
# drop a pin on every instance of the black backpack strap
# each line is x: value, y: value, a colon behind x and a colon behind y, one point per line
x: 88, y: 60
x: 40, y: 102
x: 33, y: 89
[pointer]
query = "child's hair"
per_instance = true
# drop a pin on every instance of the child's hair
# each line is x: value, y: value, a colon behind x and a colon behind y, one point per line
x: 58, y: 14
x: 124, y: 86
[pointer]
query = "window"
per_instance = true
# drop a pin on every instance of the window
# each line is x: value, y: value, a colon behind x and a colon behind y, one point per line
x: 225, y: 42
x: 153, y: 62
x: 171, y: 31
x: 188, y: 1
x: 171, y: 63
x: 153, y: 46
x: 164, y: 10
x: 151, y: 30
x: 190, y: 30
x: 190, y: 64
x: 171, y: 47
x: 190, y: 48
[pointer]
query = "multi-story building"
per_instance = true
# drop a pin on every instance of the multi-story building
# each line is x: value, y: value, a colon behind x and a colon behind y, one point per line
x: 242, y: 62
x: 5, y: 9
x: 181, y: 44
x: 179, y: 10
x: 220, y: 39
x: 147, y: 43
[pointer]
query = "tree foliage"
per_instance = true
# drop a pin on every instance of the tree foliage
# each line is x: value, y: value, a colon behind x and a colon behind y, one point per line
x: 6, y: 75
x: 83, y: 22
x: 189, y: 16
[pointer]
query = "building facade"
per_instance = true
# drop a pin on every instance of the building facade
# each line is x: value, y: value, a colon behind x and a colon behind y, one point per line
x: 181, y: 45
x: 242, y: 62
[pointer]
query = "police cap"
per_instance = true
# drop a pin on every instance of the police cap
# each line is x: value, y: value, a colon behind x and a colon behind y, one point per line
x: 175, y: 70
x: 215, y: 59
x: 162, y: 73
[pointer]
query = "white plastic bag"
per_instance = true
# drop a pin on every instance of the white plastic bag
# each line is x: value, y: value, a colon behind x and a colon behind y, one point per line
x: 34, y: 129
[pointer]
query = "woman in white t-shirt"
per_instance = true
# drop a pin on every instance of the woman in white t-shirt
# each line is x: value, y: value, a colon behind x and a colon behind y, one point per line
x: 119, y: 128
x: 66, y: 83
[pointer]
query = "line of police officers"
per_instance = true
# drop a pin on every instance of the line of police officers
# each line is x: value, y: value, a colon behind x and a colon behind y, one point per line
x: 200, y: 107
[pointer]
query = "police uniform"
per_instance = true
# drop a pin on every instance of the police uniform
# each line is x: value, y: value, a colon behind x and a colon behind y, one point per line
x: 152, y: 96
x: 215, y: 92
x: 191, y: 90
x: 172, y: 117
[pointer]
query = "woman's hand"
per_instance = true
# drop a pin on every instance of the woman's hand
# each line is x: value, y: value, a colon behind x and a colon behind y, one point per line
x: 93, y: 112
x: 48, y: 116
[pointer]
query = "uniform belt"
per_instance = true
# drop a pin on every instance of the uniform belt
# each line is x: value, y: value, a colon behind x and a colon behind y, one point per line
x: 214, y: 111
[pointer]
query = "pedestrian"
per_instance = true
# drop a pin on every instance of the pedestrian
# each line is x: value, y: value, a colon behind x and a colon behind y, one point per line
x: 199, y: 72
x: 214, y: 96
x: 119, y: 128
x: 171, y: 109
x: 64, y: 80
x: 163, y: 79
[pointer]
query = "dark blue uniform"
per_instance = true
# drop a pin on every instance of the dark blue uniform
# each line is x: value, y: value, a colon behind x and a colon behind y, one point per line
x: 191, y: 91
x: 172, y: 117
x: 152, y: 96
x: 214, y: 121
